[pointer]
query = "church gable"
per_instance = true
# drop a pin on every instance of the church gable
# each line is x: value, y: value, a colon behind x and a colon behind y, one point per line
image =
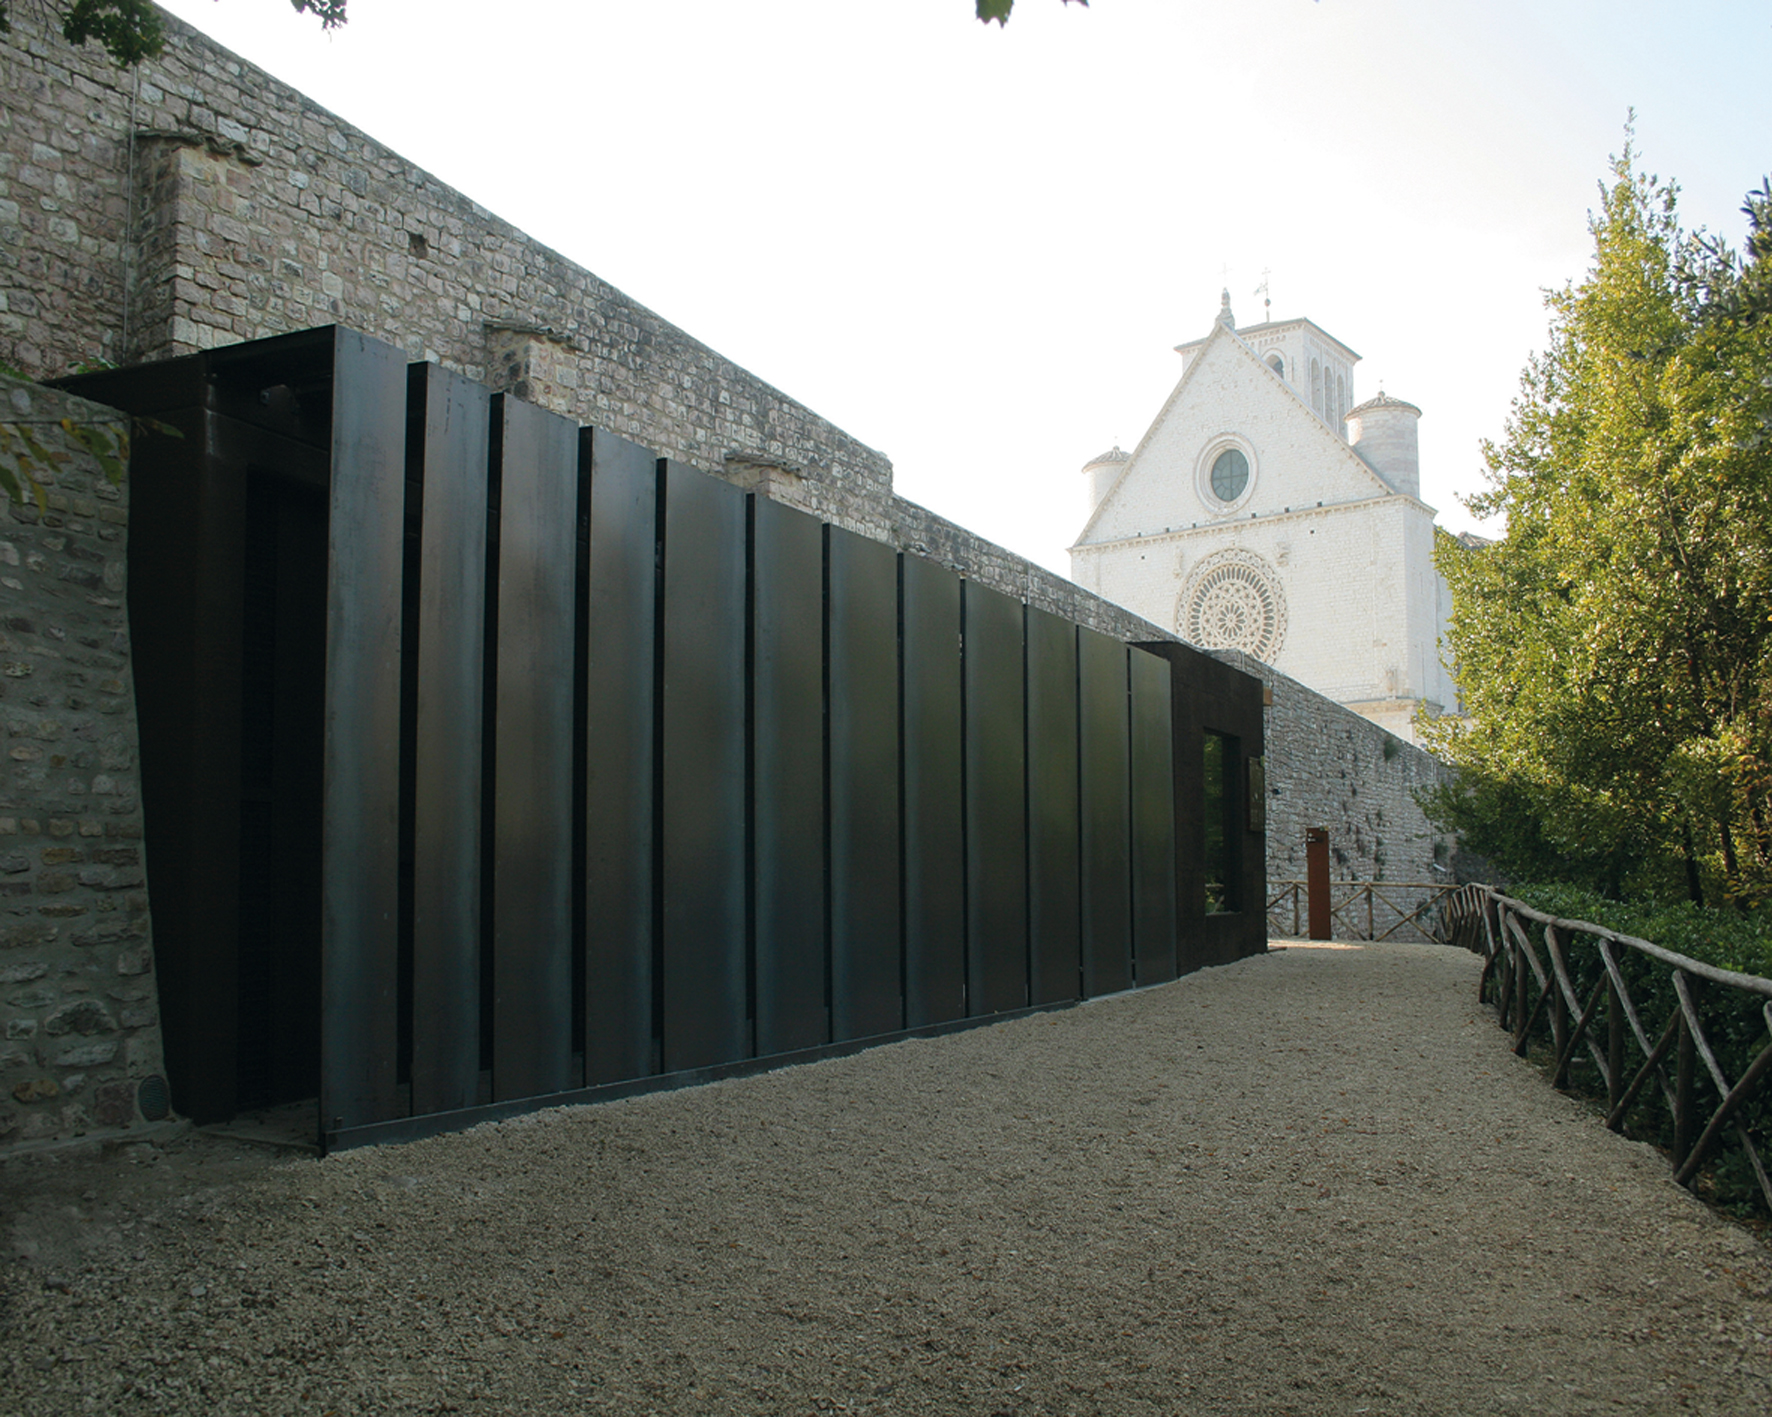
x: 1233, y: 440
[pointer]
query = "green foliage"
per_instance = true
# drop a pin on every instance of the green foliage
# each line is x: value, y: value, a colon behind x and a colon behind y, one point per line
x: 1728, y: 938
x: 131, y: 30
x: 32, y: 448
x: 330, y: 13
x: 998, y: 10
x: 30, y: 452
x: 1734, y: 1022
x: 1614, y: 651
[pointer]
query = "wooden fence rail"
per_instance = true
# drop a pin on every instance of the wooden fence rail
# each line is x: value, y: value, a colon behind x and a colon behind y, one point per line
x: 1364, y: 910
x: 1567, y: 978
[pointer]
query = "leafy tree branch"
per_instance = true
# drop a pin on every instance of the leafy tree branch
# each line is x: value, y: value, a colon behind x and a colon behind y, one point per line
x: 130, y: 30
x: 1614, y: 651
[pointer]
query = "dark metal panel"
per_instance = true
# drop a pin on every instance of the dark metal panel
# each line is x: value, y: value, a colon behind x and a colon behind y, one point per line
x: 619, y: 740
x: 934, y: 836
x: 532, y: 871
x: 1153, y: 820
x: 1207, y: 695
x: 1105, y: 813
x: 359, y: 945
x: 862, y: 607
x: 996, y: 803
x: 270, y: 454
x: 702, y: 803
x: 453, y: 416
x: 788, y: 774
x: 1055, y: 921
x: 167, y: 389
x: 185, y: 623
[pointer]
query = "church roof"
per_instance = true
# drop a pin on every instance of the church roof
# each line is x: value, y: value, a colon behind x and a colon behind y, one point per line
x: 1383, y: 400
x: 1112, y: 455
x: 1244, y: 331
x: 1331, y: 443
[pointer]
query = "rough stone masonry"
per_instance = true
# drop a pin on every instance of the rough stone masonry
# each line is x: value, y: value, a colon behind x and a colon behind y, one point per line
x: 77, y: 998
x: 196, y: 201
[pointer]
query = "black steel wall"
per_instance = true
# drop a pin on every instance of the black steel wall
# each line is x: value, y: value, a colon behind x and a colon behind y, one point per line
x: 621, y: 771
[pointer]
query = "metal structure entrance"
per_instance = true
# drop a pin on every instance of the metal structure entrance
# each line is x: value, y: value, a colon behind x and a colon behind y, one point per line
x: 491, y: 761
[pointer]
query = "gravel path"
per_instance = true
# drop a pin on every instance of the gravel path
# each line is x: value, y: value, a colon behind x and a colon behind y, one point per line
x: 1314, y: 1182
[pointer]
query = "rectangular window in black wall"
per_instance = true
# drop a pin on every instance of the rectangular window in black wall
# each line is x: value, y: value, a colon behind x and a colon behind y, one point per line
x: 1220, y: 763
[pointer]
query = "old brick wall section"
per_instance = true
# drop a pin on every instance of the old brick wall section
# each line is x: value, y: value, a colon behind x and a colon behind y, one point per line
x: 1329, y: 767
x: 196, y: 202
x: 79, y: 1022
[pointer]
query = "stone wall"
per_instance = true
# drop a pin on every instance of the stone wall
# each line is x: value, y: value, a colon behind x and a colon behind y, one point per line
x: 78, y: 1010
x: 1329, y: 767
x: 230, y: 207
x: 198, y: 202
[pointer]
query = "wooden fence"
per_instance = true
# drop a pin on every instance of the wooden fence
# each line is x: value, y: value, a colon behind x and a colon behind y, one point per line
x: 1364, y: 910
x: 1627, y: 1004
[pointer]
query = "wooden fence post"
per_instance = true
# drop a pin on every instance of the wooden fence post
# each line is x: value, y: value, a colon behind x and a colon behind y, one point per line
x: 1560, y: 1016
x: 1686, y: 1069
x: 1614, y: 1044
x: 1521, y: 1015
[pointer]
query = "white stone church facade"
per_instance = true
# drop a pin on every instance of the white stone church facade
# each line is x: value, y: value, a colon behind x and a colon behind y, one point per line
x: 1266, y: 511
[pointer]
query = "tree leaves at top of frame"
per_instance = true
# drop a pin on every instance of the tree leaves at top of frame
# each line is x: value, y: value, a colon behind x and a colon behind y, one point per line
x: 132, y: 30
x: 998, y: 10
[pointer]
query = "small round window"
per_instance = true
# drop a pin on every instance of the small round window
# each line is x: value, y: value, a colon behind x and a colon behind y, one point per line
x: 1230, y: 475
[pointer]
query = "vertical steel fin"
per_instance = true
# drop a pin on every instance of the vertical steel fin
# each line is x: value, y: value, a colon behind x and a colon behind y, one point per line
x: 702, y: 805
x: 1153, y: 820
x: 531, y: 884
x: 360, y: 831
x: 1105, y: 814
x: 996, y: 797
x: 1054, y: 905
x: 788, y: 798
x: 454, y: 415
x: 934, y: 837
x: 619, y: 747
x: 862, y: 607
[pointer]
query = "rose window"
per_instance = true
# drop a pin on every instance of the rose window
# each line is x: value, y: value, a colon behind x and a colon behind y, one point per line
x: 1233, y: 602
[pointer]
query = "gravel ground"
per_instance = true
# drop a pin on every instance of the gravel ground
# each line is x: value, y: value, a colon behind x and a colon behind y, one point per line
x: 1313, y: 1182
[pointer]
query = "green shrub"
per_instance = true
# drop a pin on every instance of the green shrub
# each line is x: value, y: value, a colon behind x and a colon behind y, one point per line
x: 1733, y: 1021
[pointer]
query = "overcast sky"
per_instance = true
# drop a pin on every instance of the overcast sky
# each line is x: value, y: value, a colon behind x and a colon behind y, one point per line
x: 974, y: 248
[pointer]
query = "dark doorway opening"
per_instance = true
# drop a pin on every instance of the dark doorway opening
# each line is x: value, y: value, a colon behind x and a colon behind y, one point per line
x: 283, y: 674
x: 228, y: 564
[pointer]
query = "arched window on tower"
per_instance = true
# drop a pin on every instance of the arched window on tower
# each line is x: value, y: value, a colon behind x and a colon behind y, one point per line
x: 1341, y: 404
x: 1277, y: 364
x: 1316, y: 386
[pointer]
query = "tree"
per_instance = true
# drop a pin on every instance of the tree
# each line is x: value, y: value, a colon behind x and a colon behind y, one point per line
x: 1614, y: 651
x: 998, y: 10
x: 130, y: 30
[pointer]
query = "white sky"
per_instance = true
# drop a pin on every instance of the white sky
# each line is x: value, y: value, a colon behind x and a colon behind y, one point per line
x: 974, y: 249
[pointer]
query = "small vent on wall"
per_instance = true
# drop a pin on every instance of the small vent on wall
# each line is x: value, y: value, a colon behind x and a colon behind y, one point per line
x: 152, y: 1099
